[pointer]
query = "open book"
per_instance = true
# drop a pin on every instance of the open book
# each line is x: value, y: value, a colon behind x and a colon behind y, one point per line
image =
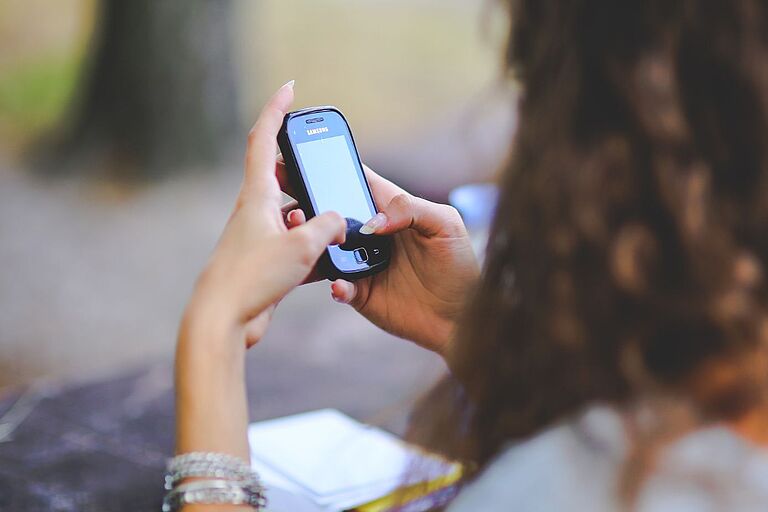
x: 324, y: 461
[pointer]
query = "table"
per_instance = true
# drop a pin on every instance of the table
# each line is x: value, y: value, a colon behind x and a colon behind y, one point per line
x: 102, y: 446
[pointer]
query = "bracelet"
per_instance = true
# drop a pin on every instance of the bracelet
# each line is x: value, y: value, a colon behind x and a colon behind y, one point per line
x: 229, y: 480
x: 208, y: 465
x: 212, y: 492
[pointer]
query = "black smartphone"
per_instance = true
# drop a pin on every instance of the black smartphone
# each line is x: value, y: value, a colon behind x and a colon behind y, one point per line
x: 325, y: 170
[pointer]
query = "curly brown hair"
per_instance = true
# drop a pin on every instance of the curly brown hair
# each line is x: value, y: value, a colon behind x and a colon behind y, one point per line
x: 626, y: 258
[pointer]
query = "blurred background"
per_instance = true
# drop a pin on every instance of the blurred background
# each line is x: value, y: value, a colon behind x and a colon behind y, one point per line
x: 122, y: 130
x: 121, y: 133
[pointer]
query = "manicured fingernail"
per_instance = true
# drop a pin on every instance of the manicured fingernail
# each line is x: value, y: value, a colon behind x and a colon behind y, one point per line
x: 377, y: 222
x: 290, y: 84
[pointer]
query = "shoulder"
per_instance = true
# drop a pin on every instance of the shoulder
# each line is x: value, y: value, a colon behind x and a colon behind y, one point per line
x: 571, y: 466
x: 577, y: 466
x: 709, y: 470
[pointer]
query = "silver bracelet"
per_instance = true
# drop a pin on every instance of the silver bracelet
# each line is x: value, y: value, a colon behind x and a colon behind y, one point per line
x: 212, y: 492
x: 208, y: 465
x: 230, y: 481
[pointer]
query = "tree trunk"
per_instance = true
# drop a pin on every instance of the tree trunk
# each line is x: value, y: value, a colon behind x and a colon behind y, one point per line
x: 160, y: 95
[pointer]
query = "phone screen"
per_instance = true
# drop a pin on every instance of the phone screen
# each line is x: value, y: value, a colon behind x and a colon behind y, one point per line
x: 334, y: 180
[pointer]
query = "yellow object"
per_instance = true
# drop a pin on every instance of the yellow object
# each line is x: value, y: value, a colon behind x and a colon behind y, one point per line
x: 412, y: 492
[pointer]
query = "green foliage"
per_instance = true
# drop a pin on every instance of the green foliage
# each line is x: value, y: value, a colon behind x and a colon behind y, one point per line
x: 33, y: 95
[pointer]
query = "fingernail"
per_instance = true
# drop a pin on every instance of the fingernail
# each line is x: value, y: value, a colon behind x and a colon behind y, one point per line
x: 377, y: 222
x: 290, y: 84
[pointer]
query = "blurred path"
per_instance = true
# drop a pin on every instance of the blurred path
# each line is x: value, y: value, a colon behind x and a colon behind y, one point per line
x: 94, y: 280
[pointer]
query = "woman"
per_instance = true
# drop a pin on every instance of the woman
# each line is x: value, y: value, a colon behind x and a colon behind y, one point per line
x: 615, y: 350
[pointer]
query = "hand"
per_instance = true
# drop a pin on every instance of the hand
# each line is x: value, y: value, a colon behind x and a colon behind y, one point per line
x: 433, y: 267
x: 257, y: 261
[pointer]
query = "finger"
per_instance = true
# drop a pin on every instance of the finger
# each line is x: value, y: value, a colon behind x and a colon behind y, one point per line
x: 314, y: 276
x: 260, y: 158
x: 295, y: 255
x: 309, y: 240
x: 405, y: 211
x: 343, y: 291
x: 295, y: 218
x: 289, y: 207
x: 282, y: 177
x: 382, y: 189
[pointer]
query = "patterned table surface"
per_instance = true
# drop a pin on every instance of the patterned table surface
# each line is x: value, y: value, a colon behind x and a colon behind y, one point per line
x: 102, y: 446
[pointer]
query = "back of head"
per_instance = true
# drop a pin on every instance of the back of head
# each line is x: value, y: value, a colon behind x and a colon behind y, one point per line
x: 626, y: 261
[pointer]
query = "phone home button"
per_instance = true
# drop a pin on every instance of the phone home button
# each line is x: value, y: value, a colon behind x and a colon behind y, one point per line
x: 361, y: 255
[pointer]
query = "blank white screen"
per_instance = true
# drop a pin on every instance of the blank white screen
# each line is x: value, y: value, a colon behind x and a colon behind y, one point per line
x: 333, y: 178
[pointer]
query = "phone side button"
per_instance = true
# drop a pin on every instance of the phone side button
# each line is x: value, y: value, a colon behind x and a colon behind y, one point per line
x: 361, y: 255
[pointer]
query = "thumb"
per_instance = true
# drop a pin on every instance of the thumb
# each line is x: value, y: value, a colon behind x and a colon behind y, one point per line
x: 405, y: 211
x: 309, y: 240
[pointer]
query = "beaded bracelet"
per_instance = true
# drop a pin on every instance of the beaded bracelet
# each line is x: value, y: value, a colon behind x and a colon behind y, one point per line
x: 212, y: 492
x: 230, y: 480
x: 208, y: 465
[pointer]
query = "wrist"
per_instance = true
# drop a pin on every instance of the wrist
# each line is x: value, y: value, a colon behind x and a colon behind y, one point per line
x: 217, y: 292
x: 436, y: 336
x: 210, y: 332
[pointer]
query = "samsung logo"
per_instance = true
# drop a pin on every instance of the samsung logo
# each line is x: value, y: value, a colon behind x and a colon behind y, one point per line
x: 315, y: 131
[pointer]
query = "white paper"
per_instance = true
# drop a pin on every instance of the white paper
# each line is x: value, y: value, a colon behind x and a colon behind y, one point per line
x: 327, y: 452
x: 279, y: 500
x: 330, y: 458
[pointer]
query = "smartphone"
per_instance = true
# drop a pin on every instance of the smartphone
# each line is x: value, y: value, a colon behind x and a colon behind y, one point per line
x: 325, y: 170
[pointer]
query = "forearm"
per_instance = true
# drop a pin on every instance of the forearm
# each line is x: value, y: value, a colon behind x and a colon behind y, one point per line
x: 211, y: 405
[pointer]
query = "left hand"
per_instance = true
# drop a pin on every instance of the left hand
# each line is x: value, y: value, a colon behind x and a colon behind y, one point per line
x: 433, y: 268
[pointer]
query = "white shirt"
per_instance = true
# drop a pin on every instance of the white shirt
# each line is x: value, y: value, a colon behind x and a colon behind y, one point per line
x: 578, y: 465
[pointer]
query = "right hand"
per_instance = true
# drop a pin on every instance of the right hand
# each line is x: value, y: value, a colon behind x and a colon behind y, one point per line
x: 432, y: 269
